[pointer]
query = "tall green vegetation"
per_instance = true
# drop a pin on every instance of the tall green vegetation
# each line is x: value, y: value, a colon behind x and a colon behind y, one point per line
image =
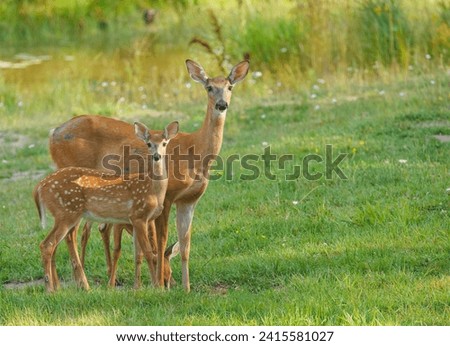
x: 319, y: 35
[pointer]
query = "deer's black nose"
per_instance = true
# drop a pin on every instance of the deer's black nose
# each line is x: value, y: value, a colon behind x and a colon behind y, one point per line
x: 156, y: 157
x: 221, y: 105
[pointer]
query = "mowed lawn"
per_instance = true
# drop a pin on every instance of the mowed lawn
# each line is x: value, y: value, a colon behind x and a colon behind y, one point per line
x: 371, y: 247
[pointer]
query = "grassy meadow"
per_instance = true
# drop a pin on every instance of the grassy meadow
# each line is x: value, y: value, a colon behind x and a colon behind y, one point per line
x: 370, y: 78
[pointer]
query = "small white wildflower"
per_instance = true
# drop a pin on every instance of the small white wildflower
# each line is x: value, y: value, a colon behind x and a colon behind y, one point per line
x: 2, y: 105
x: 427, y: 56
x: 448, y: 190
x: 263, y: 116
x: 402, y: 94
x: 121, y: 100
x: 381, y: 92
x: 105, y: 84
x: 188, y: 85
x: 402, y: 161
x: 321, y: 81
x: 196, y: 125
x: 283, y: 50
x: 432, y: 82
x: 144, y: 106
x: 333, y: 100
x: 294, y: 202
x: 31, y: 146
x: 20, y: 104
x: 141, y: 88
x: 4, y: 161
x: 316, y: 87
x: 143, y: 97
x: 113, y: 83
x: 264, y: 144
x: 313, y: 96
x: 410, y: 67
x: 279, y: 84
x: 316, y: 107
x: 257, y: 74
x: 69, y: 58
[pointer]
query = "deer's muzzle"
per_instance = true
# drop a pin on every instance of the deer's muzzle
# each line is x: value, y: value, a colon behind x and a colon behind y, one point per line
x: 156, y: 157
x: 221, y: 105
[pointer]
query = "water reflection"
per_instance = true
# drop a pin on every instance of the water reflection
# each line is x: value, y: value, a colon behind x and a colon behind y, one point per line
x: 23, y: 60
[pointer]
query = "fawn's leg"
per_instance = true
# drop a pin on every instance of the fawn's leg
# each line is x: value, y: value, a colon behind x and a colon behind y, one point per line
x: 117, y: 234
x: 71, y: 240
x: 48, y: 249
x: 84, y: 239
x: 162, y: 229
x: 138, y: 256
x: 140, y: 235
x: 105, y: 232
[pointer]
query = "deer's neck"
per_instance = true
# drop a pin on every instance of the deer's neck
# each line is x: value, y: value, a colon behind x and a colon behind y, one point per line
x: 210, y: 136
x: 158, y: 175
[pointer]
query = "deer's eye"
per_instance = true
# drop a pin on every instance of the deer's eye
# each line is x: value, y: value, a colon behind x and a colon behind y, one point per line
x: 209, y: 88
x: 164, y: 144
x: 230, y: 87
x: 149, y: 145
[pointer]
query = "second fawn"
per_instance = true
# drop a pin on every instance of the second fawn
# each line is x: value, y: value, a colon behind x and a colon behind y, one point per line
x: 73, y: 193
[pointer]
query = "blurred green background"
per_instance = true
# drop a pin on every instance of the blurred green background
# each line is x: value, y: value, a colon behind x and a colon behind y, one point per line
x: 99, y: 55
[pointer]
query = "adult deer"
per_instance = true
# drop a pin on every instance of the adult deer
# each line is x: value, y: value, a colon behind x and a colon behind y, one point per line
x: 88, y: 139
x: 73, y: 193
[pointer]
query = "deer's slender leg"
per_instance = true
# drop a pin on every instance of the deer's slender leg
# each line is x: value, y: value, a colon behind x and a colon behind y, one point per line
x: 71, y: 240
x: 55, y: 278
x: 117, y: 233
x: 105, y: 232
x: 140, y: 235
x: 138, y: 257
x: 162, y: 229
x: 185, y: 213
x: 48, y: 249
x: 84, y: 239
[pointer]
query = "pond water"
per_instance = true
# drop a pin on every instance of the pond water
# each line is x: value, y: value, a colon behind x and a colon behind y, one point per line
x: 31, y: 67
x: 97, y: 80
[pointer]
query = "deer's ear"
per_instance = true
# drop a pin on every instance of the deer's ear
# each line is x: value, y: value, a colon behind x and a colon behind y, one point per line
x: 239, y: 72
x: 171, y: 130
x: 196, y: 71
x: 141, y: 131
x: 172, y: 251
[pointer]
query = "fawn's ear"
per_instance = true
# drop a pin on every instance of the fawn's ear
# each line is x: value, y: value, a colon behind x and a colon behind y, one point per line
x: 196, y: 71
x: 171, y: 130
x: 239, y: 72
x: 141, y: 131
x: 172, y: 251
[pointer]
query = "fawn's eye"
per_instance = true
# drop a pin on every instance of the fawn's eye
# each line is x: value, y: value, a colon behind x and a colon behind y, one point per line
x: 164, y: 144
x: 230, y: 87
x: 209, y: 88
x: 149, y: 145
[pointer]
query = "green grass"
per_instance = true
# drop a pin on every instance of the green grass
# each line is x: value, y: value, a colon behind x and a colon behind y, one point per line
x: 369, y: 250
